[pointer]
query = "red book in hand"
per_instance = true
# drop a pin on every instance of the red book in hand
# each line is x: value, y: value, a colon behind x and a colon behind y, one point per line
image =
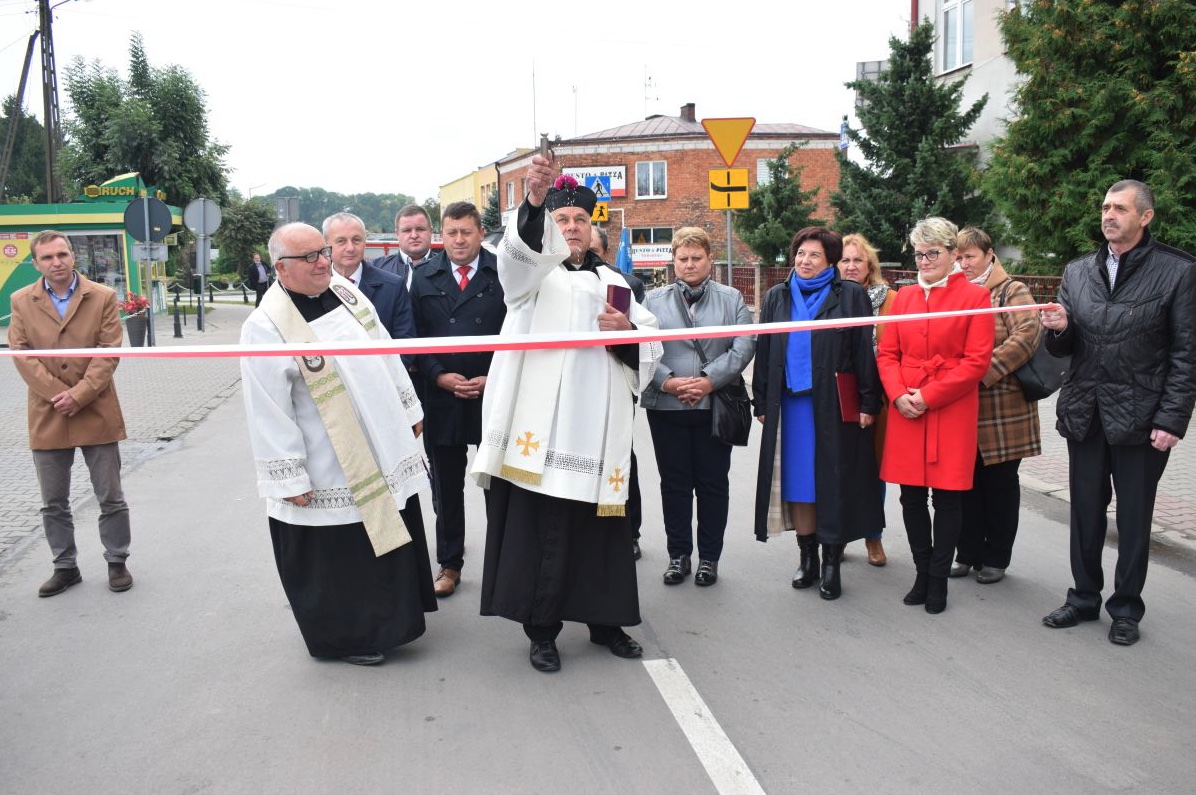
x: 619, y: 298
x: 849, y: 396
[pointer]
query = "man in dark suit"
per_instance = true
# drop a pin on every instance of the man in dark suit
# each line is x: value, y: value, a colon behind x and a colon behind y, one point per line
x: 413, y: 228
x: 258, y: 276
x: 345, y: 233
x: 457, y: 293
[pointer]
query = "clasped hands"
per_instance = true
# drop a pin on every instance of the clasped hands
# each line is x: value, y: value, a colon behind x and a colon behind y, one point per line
x: 460, y: 386
x: 911, y: 405
x: 688, y: 390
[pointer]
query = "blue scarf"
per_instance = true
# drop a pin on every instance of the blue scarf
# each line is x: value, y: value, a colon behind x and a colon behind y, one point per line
x: 808, y: 296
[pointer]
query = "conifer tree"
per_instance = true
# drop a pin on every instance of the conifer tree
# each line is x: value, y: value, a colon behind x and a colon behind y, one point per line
x: 776, y: 210
x: 913, y: 166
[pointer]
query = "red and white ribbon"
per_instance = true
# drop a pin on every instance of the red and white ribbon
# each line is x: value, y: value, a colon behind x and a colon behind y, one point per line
x: 521, y: 342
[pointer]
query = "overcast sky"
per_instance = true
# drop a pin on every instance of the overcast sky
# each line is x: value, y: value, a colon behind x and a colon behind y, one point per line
x: 358, y: 95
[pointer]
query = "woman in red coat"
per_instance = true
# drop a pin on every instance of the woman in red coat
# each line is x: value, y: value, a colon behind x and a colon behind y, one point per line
x: 931, y: 371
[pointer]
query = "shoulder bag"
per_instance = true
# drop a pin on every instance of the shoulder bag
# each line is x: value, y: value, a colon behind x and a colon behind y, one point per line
x: 1042, y: 375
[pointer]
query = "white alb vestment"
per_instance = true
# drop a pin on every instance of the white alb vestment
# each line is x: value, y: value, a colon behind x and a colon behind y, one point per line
x: 559, y: 422
x: 291, y: 448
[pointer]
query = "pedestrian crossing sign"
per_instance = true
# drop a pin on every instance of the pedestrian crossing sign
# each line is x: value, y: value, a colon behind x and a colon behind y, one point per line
x: 600, y: 185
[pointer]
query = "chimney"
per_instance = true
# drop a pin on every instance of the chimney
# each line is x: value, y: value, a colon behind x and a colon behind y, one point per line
x: 687, y: 112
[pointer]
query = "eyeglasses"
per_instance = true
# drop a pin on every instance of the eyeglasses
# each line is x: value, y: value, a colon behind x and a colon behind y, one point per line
x: 312, y: 257
x: 929, y: 256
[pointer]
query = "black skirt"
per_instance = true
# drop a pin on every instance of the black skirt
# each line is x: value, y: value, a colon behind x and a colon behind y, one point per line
x: 347, y: 601
x: 550, y: 559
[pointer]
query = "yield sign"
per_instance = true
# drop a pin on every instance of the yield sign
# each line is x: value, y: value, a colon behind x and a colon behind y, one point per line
x: 729, y: 136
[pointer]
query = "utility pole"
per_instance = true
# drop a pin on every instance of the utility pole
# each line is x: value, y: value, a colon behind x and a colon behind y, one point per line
x: 15, y: 119
x: 52, y: 119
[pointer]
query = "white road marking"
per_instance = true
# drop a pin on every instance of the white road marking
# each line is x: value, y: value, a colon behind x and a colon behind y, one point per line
x: 726, y: 768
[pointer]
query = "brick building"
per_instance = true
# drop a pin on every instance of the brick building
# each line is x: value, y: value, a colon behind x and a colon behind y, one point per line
x: 658, y: 170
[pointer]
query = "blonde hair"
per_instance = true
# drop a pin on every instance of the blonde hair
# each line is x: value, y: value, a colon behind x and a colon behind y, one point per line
x: 691, y: 236
x: 935, y: 231
x: 870, y: 254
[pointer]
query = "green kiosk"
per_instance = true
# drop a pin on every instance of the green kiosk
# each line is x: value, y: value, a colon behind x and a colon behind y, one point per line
x: 94, y: 223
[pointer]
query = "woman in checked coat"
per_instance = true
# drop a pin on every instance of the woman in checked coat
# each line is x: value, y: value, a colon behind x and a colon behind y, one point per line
x: 1009, y: 429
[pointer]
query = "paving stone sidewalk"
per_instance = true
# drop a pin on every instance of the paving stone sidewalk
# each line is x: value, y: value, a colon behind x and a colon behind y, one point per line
x: 161, y: 399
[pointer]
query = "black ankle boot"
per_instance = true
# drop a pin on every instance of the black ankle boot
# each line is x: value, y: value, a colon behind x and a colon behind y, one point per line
x: 936, y: 595
x: 832, y: 587
x: 807, y: 570
x: 917, y: 594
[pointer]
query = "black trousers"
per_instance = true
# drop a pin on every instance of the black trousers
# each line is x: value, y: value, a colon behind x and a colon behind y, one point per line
x: 260, y: 290
x: 537, y: 632
x: 932, y: 545
x: 448, y: 491
x: 691, y: 462
x: 990, y: 515
x: 1134, y: 471
x: 635, y: 507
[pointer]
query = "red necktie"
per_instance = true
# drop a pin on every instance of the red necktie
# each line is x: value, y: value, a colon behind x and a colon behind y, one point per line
x: 464, y: 271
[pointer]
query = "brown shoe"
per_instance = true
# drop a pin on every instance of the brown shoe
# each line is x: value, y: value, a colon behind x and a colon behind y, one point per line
x: 119, y: 578
x: 62, y: 579
x: 446, y: 581
x: 876, y: 552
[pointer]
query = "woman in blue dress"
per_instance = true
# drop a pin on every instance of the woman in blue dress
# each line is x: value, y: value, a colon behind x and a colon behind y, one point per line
x: 818, y: 472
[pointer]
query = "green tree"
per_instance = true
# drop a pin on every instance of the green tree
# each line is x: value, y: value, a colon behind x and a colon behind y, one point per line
x: 26, y: 182
x: 154, y: 123
x: 1108, y: 93
x: 491, y: 215
x: 776, y: 210
x: 244, y: 228
x: 432, y: 208
x: 376, y: 210
x: 911, y: 125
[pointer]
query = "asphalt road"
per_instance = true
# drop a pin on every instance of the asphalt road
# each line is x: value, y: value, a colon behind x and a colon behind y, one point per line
x: 197, y: 681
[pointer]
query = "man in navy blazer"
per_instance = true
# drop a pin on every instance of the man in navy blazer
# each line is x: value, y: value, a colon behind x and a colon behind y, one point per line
x: 413, y: 228
x: 456, y: 293
x: 345, y: 233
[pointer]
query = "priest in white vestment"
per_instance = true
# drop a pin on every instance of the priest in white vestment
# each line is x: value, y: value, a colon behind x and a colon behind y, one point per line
x: 335, y: 446
x: 557, y: 431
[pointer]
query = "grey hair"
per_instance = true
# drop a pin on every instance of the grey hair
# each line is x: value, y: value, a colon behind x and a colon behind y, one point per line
x: 603, y: 238
x: 335, y: 217
x: 275, y: 247
x: 935, y: 231
x: 1143, y: 195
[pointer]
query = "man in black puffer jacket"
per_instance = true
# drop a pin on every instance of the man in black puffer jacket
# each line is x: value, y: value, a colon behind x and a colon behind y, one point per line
x: 1128, y: 320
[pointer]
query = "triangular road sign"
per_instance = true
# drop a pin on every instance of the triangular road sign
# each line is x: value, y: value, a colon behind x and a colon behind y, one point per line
x: 729, y: 136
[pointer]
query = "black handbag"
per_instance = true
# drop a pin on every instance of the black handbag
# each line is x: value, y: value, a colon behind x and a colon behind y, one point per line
x: 1042, y: 375
x: 731, y: 406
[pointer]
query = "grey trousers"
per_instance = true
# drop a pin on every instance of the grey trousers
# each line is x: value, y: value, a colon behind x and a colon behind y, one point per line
x: 54, y: 477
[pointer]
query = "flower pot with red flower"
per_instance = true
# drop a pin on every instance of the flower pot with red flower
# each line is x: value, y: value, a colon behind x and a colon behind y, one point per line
x: 136, y: 309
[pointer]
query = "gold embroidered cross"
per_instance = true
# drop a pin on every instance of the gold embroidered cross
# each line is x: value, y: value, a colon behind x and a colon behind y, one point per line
x: 527, y: 444
x: 617, y: 479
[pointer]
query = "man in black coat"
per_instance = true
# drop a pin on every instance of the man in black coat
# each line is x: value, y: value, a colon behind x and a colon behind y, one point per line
x: 457, y: 293
x: 345, y: 235
x: 1127, y: 317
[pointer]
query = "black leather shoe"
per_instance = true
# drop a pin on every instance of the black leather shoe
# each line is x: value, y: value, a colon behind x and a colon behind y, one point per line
x: 1068, y: 616
x: 936, y: 595
x: 619, y: 643
x: 677, y: 570
x: 636, y: 552
x: 807, y: 568
x: 707, y: 573
x: 1124, y: 632
x: 544, y: 656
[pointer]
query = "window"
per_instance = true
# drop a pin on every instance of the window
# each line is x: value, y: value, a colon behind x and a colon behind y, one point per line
x: 647, y: 235
x: 510, y: 194
x: 957, y: 33
x: 763, y: 175
x: 98, y: 257
x: 651, y: 180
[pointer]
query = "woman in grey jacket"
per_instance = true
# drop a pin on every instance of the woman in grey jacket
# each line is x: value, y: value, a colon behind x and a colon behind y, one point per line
x: 679, y: 402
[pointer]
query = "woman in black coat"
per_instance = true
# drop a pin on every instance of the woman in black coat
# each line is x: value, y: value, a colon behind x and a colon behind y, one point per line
x: 817, y: 473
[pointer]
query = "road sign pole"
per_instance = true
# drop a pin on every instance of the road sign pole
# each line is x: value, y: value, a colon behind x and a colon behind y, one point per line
x: 730, y: 283
x: 149, y: 284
